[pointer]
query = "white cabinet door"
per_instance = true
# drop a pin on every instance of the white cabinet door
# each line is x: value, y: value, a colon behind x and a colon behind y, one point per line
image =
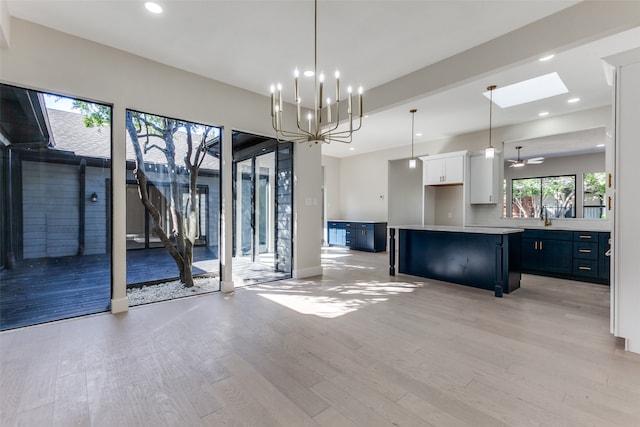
x: 483, y: 180
x: 453, y: 170
x: 433, y: 172
x: 445, y: 169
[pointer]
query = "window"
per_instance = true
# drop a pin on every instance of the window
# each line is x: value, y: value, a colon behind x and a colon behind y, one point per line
x: 173, y: 205
x: 554, y: 196
x: 55, y: 200
x: 594, y: 189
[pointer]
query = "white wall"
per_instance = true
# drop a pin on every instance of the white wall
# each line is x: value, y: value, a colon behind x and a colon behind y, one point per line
x: 45, y: 59
x: 448, y: 207
x: 404, y: 183
x: 331, y: 167
x: 307, y: 211
x: 363, y: 187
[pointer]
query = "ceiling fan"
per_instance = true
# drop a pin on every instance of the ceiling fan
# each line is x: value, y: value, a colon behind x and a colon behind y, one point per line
x: 521, y: 162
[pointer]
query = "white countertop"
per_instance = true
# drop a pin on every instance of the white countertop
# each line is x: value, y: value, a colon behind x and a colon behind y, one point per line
x: 459, y: 229
x: 349, y: 220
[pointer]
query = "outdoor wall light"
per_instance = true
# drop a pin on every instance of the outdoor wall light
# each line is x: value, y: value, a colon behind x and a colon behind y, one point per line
x: 94, y: 197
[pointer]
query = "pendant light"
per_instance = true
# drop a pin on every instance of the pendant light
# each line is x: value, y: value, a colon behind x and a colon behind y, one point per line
x: 490, y: 152
x: 412, y: 161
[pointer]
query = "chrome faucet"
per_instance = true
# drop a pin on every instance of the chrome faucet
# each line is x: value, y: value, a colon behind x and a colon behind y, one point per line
x: 545, y: 217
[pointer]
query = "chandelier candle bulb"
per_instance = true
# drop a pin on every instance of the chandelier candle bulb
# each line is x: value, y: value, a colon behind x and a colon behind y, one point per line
x: 337, y: 86
x: 329, y: 110
x: 280, y: 97
x: 349, y: 90
x: 273, y: 100
x: 297, y: 87
x: 309, y: 117
x: 321, y: 79
x: 360, y: 100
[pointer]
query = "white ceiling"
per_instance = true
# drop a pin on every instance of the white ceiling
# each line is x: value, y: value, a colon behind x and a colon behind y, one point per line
x: 251, y: 44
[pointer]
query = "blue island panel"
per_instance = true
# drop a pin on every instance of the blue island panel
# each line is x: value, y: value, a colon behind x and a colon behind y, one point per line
x: 487, y: 261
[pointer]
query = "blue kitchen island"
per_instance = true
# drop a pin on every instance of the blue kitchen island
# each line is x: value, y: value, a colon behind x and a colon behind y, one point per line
x: 482, y: 257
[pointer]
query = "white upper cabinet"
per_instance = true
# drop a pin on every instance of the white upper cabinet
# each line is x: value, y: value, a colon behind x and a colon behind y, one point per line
x: 484, y: 180
x: 443, y: 169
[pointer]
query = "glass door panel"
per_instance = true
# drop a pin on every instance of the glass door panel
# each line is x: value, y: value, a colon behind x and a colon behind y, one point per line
x: 244, y: 209
x: 265, y: 202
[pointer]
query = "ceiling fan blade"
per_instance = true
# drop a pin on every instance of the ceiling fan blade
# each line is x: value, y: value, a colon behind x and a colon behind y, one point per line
x: 536, y: 159
x: 512, y: 161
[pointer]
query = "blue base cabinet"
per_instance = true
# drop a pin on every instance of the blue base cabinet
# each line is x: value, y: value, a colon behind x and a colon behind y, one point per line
x: 359, y: 235
x: 575, y: 255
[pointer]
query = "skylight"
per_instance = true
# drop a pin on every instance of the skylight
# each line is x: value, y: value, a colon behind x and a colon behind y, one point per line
x: 528, y: 90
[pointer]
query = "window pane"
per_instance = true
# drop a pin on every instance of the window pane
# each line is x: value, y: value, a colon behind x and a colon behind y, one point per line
x: 173, y: 207
x: 559, y: 196
x: 526, y: 198
x: 55, y: 195
x: 594, y: 186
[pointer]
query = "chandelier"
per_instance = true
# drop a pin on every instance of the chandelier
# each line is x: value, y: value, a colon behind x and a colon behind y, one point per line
x: 319, y: 125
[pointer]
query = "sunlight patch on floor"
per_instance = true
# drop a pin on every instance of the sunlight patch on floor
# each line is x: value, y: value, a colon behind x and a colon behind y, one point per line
x: 334, y: 301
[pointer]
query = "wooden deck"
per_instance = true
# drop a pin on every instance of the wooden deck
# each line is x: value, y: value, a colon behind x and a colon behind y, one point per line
x: 44, y: 290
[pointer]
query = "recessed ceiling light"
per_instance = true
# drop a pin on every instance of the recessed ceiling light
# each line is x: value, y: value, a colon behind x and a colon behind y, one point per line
x: 351, y: 149
x: 528, y: 90
x: 543, y: 113
x: 546, y: 58
x: 418, y: 134
x: 600, y: 145
x: 308, y: 73
x: 153, y: 7
x: 573, y: 100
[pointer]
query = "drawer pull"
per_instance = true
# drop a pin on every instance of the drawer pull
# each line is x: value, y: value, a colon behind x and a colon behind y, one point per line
x: 584, y: 268
x: 585, y: 251
x: 582, y: 236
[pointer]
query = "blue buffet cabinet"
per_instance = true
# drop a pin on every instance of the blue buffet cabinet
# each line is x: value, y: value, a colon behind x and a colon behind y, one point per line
x: 359, y: 235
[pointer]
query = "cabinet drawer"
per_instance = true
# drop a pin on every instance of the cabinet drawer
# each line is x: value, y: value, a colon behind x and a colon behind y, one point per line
x: 585, y: 236
x: 585, y: 267
x: 557, y: 235
x: 584, y: 250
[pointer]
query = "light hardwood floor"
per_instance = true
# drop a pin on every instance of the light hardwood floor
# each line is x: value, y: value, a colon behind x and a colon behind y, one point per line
x: 353, y: 348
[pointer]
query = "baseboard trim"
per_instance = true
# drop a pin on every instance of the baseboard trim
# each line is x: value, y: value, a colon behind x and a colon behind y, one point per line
x: 307, y: 272
x: 227, y: 286
x: 632, y: 347
x: 119, y: 305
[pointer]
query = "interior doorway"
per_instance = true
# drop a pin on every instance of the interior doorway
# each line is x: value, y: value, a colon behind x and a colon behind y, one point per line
x: 262, y: 209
